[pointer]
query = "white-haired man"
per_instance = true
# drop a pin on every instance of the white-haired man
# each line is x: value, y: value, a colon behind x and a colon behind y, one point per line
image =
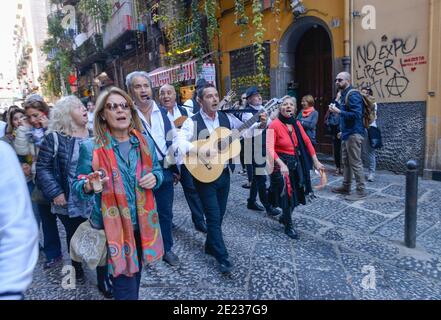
x: 159, y: 127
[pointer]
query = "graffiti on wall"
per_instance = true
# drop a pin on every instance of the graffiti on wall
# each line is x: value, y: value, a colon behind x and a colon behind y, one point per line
x: 388, y: 66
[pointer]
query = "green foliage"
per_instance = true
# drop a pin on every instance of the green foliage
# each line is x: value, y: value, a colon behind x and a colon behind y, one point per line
x: 259, y: 38
x: 241, y: 18
x: 99, y: 9
x: 212, y: 25
x: 59, y: 47
x: 198, y: 49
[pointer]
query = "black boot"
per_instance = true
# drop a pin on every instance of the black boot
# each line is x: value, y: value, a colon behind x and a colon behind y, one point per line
x: 104, y: 284
x: 290, y: 232
x: 286, y: 220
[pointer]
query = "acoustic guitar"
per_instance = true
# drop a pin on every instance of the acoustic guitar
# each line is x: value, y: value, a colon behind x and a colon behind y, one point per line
x: 230, y: 96
x: 221, y: 146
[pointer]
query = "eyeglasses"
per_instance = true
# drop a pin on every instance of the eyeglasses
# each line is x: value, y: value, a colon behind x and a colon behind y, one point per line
x: 339, y: 80
x: 114, y: 106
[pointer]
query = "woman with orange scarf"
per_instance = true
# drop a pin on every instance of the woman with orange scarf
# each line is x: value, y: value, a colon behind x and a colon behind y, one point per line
x: 308, y: 117
x: 121, y: 167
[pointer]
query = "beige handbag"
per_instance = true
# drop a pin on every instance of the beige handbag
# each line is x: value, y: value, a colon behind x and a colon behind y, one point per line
x: 89, y: 245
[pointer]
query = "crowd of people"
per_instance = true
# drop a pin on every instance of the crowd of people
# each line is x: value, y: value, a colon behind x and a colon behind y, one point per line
x: 115, y: 164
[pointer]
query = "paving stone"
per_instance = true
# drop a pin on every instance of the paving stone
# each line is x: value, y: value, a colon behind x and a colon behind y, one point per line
x: 322, y: 280
x: 275, y: 280
x: 391, y: 282
x: 384, y: 205
x: 371, y: 246
x: 430, y: 268
x: 321, y: 208
x: 333, y: 234
x: 356, y: 219
x: 431, y: 240
x: 394, y: 229
x: 400, y: 191
x: 309, y: 248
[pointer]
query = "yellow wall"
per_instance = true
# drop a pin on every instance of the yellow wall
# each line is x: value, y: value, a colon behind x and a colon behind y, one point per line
x: 433, y: 135
x: 231, y: 40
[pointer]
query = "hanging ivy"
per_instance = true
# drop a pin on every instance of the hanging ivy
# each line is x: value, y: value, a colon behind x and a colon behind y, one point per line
x: 259, y: 38
x: 99, y: 9
x: 198, y: 49
x: 241, y: 17
x: 276, y: 12
x: 212, y: 25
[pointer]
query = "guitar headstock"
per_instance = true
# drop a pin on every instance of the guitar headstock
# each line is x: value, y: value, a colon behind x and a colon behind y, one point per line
x: 272, y: 105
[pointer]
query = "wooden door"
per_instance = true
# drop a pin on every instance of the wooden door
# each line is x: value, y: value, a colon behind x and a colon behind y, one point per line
x: 313, y: 74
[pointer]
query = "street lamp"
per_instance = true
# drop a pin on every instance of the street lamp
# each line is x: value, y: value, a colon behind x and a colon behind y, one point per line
x: 298, y: 7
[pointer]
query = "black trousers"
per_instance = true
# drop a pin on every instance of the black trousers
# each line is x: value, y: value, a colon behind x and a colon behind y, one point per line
x: 258, y: 186
x: 214, y: 197
x: 192, y: 197
x: 71, y: 225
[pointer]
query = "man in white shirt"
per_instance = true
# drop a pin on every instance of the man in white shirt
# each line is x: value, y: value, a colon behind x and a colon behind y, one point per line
x: 18, y: 228
x: 213, y: 195
x: 167, y: 99
x: 158, y: 126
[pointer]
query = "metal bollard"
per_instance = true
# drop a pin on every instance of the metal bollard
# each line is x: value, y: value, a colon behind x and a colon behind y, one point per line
x: 410, y: 221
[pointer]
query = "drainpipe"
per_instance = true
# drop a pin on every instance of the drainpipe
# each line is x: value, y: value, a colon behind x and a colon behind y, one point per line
x: 348, y: 36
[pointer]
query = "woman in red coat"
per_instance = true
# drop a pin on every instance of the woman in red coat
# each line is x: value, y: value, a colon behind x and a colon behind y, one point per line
x: 293, y: 155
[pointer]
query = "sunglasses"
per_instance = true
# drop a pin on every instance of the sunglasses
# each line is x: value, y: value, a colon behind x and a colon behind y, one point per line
x: 339, y: 80
x: 114, y: 106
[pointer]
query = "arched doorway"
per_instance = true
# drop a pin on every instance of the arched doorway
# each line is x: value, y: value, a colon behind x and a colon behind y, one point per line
x: 306, y: 61
x: 314, y: 76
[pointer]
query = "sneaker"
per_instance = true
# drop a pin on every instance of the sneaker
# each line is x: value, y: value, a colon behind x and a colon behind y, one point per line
x: 359, y: 195
x: 246, y: 186
x: 371, y: 177
x: 171, y: 258
x: 341, y: 190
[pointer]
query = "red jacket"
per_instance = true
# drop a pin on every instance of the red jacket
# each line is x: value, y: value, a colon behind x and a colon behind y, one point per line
x: 278, y: 140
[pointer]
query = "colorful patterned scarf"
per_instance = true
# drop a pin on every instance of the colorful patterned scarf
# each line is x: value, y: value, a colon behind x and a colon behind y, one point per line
x: 122, y: 252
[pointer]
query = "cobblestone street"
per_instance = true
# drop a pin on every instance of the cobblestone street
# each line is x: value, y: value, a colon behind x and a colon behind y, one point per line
x: 341, y: 245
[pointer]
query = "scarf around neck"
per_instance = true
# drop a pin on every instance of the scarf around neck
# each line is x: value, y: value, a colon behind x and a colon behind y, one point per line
x: 285, y: 120
x: 307, y: 112
x: 122, y: 253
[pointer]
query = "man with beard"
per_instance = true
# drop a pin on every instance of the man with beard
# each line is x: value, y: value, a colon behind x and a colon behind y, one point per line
x: 352, y: 133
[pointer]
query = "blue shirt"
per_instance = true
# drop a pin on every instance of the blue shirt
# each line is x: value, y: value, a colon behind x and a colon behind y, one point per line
x: 351, y: 117
x: 128, y: 174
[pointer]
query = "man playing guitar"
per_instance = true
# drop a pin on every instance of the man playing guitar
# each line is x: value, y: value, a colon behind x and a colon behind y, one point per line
x: 213, y: 195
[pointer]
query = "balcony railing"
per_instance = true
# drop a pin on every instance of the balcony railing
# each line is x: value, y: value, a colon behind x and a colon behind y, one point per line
x: 122, y: 20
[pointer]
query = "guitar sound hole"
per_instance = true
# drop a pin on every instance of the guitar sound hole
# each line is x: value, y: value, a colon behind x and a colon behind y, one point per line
x: 223, y: 144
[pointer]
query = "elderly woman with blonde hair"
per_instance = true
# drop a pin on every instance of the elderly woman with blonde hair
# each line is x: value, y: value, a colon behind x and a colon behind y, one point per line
x: 56, y: 171
x: 120, y: 170
x: 292, y: 154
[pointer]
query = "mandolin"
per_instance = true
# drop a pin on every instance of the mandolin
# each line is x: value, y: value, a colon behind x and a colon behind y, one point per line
x: 221, y: 146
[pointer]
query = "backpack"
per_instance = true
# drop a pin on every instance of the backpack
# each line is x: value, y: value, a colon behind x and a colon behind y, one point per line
x: 369, y: 107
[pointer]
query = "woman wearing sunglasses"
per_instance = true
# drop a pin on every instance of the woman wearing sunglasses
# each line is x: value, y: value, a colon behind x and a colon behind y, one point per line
x: 127, y: 168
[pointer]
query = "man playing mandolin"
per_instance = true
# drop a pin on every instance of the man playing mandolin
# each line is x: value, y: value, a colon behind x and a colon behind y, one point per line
x: 213, y: 194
